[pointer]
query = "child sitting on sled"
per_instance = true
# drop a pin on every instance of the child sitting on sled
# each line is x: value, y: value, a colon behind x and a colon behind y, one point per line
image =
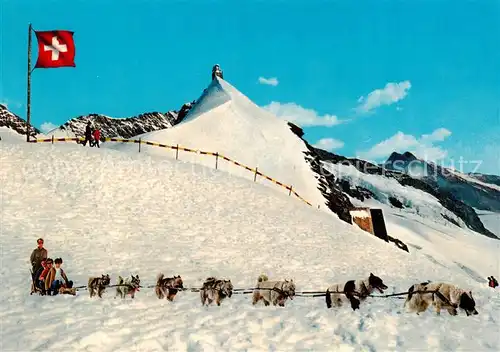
x: 56, y: 280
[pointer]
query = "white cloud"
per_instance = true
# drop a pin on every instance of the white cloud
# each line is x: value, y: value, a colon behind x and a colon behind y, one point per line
x: 47, y: 127
x: 423, y: 147
x: 390, y: 94
x: 273, y: 81
x: 438, y: 135
x: 329, y: 144
x: 301, y: 116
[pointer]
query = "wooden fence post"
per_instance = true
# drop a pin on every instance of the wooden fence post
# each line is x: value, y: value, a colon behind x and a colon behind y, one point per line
x: 216, y: 159
x: 139, y: 145
x: 52, y: 139
x: 177, y: 152
x: 255, y: 176
x: 290, y: 193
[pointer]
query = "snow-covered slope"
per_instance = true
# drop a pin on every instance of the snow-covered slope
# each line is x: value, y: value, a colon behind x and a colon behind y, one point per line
x: 476, y: 180
x: 109, y: 212
x: 121, y: 127
x: 489, y: 179
x: 9, y: 135
x: 224, y: 120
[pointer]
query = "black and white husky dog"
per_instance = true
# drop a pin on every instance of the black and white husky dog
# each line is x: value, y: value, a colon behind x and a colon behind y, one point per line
x: 353, y: 291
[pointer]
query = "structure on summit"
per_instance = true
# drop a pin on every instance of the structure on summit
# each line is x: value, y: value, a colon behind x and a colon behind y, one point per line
x: 217, y: 71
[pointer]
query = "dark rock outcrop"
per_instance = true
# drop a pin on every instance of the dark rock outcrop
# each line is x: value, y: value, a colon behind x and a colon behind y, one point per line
x: 110, y: 127
x: 336, y: 200
x: 356, y: 192
x: 395, y: 202
x: 125, y: 127
x: 10, y: 120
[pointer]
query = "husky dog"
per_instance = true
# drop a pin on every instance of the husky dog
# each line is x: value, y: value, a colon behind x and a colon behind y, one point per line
x: 128, y: 286
x: 440, y: 295
x: 98, y: 284
x: 168, y: 287
x: 215, y: 290
x: 355, y: 291
x: 275, y: 292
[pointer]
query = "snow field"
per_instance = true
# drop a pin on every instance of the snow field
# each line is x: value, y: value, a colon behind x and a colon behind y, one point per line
x: 108, y: 212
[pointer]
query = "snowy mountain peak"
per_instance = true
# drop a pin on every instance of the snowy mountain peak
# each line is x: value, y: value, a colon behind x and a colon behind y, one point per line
x: 220, y: 94
x: 405, y: 157
x: 226, y: 121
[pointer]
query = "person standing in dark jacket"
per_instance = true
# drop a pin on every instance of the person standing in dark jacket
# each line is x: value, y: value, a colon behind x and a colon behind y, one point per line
x: 37, y: 255
x: 88, y: 135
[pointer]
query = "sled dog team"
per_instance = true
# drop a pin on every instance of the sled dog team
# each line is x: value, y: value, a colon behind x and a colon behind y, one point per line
x: 419, y: 297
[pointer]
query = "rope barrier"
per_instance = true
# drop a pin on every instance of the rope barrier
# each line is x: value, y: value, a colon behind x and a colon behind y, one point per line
x: 177, y: 148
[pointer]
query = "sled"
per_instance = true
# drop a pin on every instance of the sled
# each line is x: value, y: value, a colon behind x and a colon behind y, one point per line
x: 62, y: 290
x: 67, y: 291
x: 34, y: 288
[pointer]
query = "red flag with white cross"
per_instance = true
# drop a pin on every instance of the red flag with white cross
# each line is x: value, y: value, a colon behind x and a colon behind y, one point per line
x: 55, y: 49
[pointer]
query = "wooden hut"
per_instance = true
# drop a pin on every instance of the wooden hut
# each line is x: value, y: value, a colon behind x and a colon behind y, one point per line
x: 370, y: 220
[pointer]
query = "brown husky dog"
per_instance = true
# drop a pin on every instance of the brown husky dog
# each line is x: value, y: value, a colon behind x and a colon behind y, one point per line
x: 215, y: 290
x: 275, y: 292
x: 168, y: 287
x: 98, y: 284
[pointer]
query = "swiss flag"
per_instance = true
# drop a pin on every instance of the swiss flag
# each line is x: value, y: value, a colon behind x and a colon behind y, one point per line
x: 55, y: 49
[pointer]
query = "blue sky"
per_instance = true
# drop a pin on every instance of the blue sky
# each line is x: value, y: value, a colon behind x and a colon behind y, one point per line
x: 362, y: 78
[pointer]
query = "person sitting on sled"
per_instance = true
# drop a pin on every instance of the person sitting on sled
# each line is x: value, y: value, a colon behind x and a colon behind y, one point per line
x: 36, y: 277
x: 56, y: 278
x: 40, y: 280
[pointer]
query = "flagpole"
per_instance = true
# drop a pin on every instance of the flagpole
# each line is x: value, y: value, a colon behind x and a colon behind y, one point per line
x: 28, y: 102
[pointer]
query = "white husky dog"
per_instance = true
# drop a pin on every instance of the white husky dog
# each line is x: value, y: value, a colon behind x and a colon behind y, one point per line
x: 440, y: 295
x: 275, y: 292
